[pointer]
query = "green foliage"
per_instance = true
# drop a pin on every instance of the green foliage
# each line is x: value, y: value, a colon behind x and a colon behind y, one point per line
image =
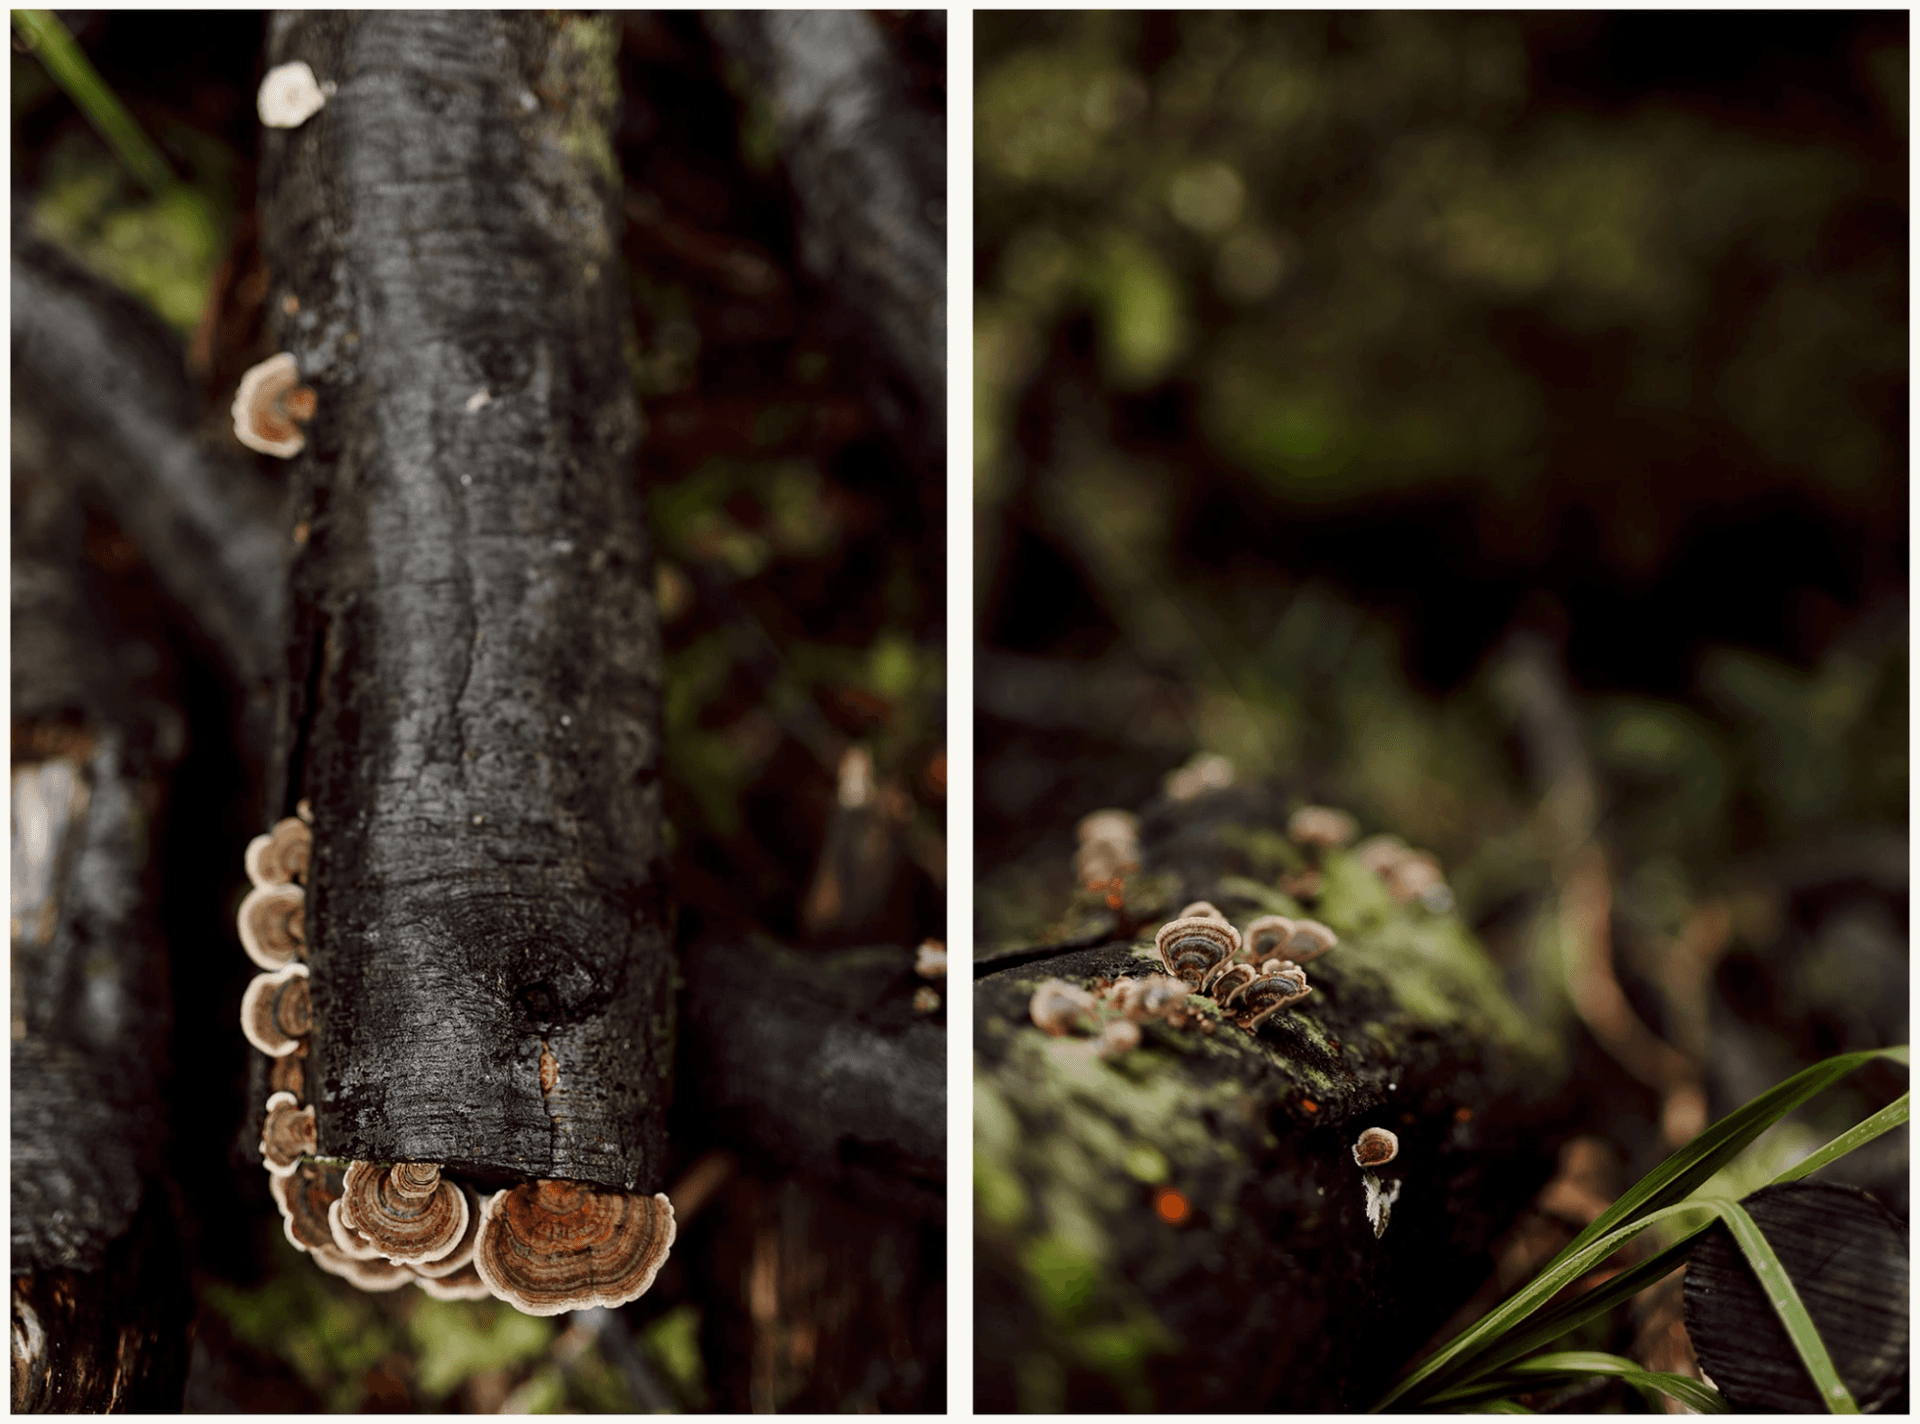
x: 43, y: 33
x: 452, y: 1339
x: 673, y: 1342
x: 1482, y: 1361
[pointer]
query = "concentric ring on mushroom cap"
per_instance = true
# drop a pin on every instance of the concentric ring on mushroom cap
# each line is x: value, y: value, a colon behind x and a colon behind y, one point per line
x: 552, y: 1246
x: 1376, y: 1147
x: 276, y: 1012
x: 281, y: 855
x: 304, y: 1198
x: 461, y: 1256
x: 287, y: 1135
x: 1272, y: 931
x: 1310, y: 940
x: 273, y: 925
x: 407, y: 1212
x: 1189, y: 947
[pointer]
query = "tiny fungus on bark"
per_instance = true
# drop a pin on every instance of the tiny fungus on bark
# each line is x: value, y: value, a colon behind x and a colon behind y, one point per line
x: 271, y: 406
x: 273, y: 925
x: 1059, y: 1007
x: 930, y: 959
x: 1156, y: 996
x: 287, y: 1134
x: 1192, y: 945
x: 1310, y: 940
x: 1323, y: 827
x: 1267, y: 936
x: 1119, y: 1036
x: 276, y: 1012
x: 290, y: 95
x: 1201, y: 909
x: 1268, y: 994
x: 1109, y: 847
x: 1377, y: 1147
x: 280, y: 856
x: 1226, y: 981
x: 552, y: 1246
x: 1408, y: 874
x: 407, y: 1212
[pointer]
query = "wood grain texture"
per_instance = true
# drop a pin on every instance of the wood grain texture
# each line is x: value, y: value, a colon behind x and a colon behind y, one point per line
x: 475, y: 662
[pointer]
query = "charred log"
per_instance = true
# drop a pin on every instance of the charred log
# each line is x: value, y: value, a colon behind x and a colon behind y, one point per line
x: 475, y: 660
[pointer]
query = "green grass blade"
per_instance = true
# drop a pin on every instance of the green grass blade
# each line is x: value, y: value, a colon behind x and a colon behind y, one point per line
x: 1562, y: 1271
x: 74, y: 73
x: 1502, y: 1406
x: 1651, y: 1383
x: 1726, y: 1139
x: 1787, y: 1304
x: 1653, y: 1195
x: 1889, y: 1117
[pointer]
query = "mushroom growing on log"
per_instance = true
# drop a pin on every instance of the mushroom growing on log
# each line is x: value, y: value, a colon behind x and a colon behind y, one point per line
x: 474, y: 671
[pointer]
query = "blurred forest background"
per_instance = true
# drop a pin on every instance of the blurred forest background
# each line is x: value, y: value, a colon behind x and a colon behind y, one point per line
x: 1496, y: 425
x: 799, y: 533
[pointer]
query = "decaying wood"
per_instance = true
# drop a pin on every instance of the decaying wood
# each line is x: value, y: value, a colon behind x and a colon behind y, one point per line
x: 98, y: 1285
x: 869, y: 176
x: 1183, y: 1226
x: 821, y: 1062
x: 475, y: 664
x: 101, y: 392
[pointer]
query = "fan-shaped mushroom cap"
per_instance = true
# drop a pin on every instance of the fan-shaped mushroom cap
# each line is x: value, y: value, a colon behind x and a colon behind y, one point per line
x: 281, y: 854
x: 1322, y: 826
x: 1270, y: 993
x: 1157, y: 996
x: 288, y: 1073
x: 290, y: 95
x: 270, y: 407
x: 406, y: 1212
x: 1191, y: 946
x: 463, y: 1283
x: 1267, y: 936
x: 276, y: 1012
x: 1310, y: 940
x: 1058, y: 1006
x: 369, y: 1275
x: 347, y: 1240
x: 1224, y: 984
x: 1202, y: 909
x: 552, y: 1246
x: 1376, y: 1148
x: 288, y: 1134
x: 273, y: 925
x: 304, y: 1197
x: 1122, y: 827
x: 462, y: 1253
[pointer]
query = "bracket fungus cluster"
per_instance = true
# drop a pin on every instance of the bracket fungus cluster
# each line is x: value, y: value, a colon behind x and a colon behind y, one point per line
x: 544, y: 1246
x: 1251, y: 977
x: 271, y: 406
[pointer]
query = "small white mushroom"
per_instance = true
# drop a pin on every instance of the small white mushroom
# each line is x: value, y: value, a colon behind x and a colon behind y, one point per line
x: 290, y: 95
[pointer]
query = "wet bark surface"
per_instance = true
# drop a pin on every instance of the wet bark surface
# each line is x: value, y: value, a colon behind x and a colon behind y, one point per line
x: 820, y: 1061
x: 475, y: 660
x: 1183, y: 1226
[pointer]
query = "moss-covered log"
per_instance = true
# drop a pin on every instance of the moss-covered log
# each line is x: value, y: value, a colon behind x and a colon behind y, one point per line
x: 1183, y: 1226
x: 476, y: 660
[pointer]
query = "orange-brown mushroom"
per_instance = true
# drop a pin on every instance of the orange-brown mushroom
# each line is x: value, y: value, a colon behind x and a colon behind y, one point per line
x: 304, y: 1197
x: 407, y: 1212
x: 461, y: 1256
x: 273, y: 925
x: 276, y: 1012
x: 372, y: 1274
x: 462, y: 1283
x: 271, y: 406
x: 281, y: 854
x: 288, y: 1073
x: 552, y: 1246
x: 287, y: 1135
